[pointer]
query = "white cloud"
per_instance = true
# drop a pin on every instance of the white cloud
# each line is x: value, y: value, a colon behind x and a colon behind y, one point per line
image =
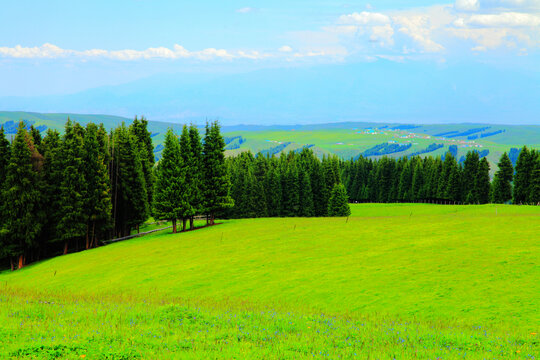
x: 364, y: 18
x: 383, y: 34
x: 50, y: 51
x: 285, y: 49
x: 467, y: 5
x: 245, y: 10
x: 505, y: 19
x: 417, y: 27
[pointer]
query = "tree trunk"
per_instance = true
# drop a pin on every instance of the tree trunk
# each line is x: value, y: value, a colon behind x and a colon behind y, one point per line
x: 87, y: 236
x: 184, y: 223
x: 212, y: 219
x: 206, y: 220
x: 66, y: 243
x: 11, y: 262
x: 93, y: 234
x: 191, y: 220
x: 21, y: 261
x: 174, y: 226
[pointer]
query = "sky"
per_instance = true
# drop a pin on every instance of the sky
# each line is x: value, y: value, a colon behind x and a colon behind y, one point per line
x: 59, y: 47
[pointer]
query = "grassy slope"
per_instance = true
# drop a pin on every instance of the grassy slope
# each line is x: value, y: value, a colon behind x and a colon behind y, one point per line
x: 424, y: 264
x: 458, y: 270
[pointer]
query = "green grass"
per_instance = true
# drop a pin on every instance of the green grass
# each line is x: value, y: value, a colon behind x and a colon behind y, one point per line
x: 398, y: 281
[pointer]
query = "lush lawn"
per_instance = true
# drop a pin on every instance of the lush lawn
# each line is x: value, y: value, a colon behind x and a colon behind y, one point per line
x: 391, y: 281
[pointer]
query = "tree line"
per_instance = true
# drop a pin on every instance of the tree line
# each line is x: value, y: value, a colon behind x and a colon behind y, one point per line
x: 293, y: 184
x: 434, y: 180
x: 69, y: 192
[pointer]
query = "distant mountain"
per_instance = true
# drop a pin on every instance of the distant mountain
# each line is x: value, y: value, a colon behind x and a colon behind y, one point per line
x: 411, y: 92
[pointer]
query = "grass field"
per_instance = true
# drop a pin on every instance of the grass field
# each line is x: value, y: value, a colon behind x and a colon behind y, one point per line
x: 392, y: 281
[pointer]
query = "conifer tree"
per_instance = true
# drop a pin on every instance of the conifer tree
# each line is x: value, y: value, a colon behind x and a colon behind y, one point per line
x: 470, y: 171
x: 130, y: 200
x: 418, y: 182
x: 196, y: 200
x: 338, y: 204
x: 98, y: 205
x: 482, y: 183
x: 216, y: 188
x: 52, y: 177
x: 522, y: 177
x: 5, y: 155
x: 306, y: 195
x: 71, y: 224
x: 22, y: 198
x: 534, y: 194
x: 502, y: 183
x: 139, y: 128
x: 273, y: 192
x: 188, y: 162
x: 170, y: 200
x: 291, y: 192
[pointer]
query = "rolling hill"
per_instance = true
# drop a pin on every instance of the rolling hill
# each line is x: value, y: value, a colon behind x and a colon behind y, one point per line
x: 347, y: 139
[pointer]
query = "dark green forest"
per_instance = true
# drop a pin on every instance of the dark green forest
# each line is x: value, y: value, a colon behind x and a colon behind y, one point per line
x: 62, y: 193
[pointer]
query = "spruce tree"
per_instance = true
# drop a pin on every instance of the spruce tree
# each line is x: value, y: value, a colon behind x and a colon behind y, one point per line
x: 5, y: 155
x: 482, y: 183
x: 170, y: 200
x: 196, y: 200
x: 418, y: 182
x: 534, y: 193
x: 98, y: 205
x: 291, y: 192
x: 22, y: 199
x: 502, y: 183
x: 139, y: 128
x: 52, y: 176
x: 273, y: 192
x: 470, y: 171
x: 216, y: 188
x: 130, y: 200
x: 338, y: 204
x: 522, y: 177
x: 71, y: 224
x: 306, y: 195
x: 188, y: 162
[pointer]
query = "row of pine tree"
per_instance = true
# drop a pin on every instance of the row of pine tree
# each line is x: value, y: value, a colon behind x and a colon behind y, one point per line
x: 293, y: 184
x: 69, y: 192
x: 445, y: 181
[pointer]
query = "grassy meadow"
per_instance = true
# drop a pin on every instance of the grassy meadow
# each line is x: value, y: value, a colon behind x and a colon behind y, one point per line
x: 392, y: 281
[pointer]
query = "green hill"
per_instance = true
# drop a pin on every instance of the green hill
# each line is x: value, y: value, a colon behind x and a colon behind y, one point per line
x: 400, y: 281
x: 343, y: 139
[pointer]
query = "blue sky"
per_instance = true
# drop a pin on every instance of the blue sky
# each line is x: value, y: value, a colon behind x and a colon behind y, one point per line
x: 64, y: 47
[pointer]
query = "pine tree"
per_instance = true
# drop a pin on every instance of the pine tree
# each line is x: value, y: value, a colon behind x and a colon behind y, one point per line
x: 291, y: 192
x: 482, y: 183
x: 502, y: 183
x: 534, y: 194
x: 98, y: 205
x: 196, y: 200
x: 188, y: 162
x: 22, y: 198
x: 273, y: 192
x: 338, y: 204
x: 216, y: 181
x: 418, y: 182
x: 71, y: 224
x: 522, y: 177
x: 130, y: 200
x: 306, y: 196
x: 52, y: 177
x: 139, y: 128
x: 170, y: 200
x: 470, y: 170
x: 5, y: 155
